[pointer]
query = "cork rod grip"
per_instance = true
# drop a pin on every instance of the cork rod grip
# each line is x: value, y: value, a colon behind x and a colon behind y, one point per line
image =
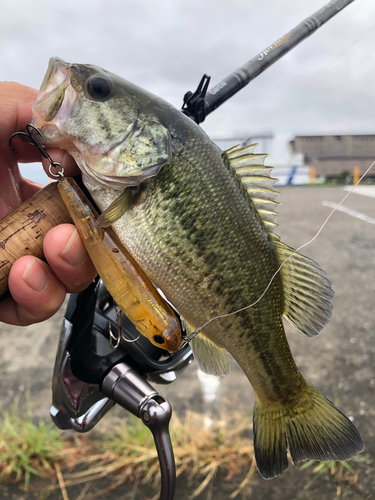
x: 23, y: 230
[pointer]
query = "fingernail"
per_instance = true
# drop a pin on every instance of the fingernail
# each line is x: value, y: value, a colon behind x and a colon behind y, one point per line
x: 35, y: 276
x: 74, y: 252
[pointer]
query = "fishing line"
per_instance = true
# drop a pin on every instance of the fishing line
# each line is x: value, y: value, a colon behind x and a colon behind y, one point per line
x: 199, y: 329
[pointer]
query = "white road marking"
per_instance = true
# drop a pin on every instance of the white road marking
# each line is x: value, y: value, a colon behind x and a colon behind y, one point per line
x: 209, y: 385
x: 349, y: 211
x: 363, y: 190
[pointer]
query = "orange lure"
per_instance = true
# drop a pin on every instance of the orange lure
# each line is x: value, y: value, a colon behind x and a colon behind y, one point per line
x: 130, y: 288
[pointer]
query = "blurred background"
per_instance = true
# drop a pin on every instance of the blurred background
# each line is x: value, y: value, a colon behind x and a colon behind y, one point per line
x: 323, y: 86
x: 313, y: 112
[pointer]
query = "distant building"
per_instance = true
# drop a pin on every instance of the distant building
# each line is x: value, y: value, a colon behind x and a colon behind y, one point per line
x: 333, y: 154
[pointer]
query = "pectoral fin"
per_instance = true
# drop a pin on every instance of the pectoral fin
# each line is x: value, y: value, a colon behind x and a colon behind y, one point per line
x: 308, y: 292
x: 116, y: 209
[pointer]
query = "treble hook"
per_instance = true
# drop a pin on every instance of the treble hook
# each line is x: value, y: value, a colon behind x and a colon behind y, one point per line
x: 42, y: 150
x: 114, y: 341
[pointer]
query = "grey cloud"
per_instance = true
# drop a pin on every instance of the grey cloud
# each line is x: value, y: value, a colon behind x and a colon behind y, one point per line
x: 167, y: 45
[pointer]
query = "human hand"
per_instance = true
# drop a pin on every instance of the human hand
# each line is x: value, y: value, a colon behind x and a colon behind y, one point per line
x: 37, y: 289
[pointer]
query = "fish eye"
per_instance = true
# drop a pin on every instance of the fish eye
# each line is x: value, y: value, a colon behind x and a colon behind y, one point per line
x: 98, y: 88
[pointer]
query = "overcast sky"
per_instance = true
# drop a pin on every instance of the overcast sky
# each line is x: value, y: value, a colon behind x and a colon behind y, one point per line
x: 325, y: 85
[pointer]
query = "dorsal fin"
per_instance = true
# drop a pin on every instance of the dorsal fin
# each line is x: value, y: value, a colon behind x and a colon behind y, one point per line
x: 308, y: 292
x: 238, y: 150
x: 255, y: 183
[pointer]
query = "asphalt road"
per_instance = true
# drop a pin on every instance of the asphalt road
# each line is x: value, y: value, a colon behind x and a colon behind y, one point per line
x: 340, y: 361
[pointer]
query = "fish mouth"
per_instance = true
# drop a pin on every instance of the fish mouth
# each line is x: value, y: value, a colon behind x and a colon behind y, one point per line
x: 52, y: 91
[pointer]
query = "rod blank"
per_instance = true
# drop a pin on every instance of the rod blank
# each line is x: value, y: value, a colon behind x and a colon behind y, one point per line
x: 242, y: 76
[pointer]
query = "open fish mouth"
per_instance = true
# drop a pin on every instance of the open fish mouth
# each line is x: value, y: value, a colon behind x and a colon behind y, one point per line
x: 52, y: 91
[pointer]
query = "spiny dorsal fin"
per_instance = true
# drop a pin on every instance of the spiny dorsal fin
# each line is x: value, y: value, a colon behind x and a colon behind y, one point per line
x: 308, y: 292
x: 237, y: 150
x: 267, y: 215
x: 247, y: 159
x: 255, y: 182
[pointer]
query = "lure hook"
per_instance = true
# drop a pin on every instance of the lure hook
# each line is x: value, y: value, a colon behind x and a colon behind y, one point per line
x: 114, y: 341
x: 31, y: 139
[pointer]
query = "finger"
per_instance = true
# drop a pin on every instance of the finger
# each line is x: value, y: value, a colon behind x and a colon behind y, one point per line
x: 29, y: 188
x: 16, y: 101
x: 15, y: 108
x: 9, y: 181
x: 25, y: 152
x: 37, y: 293
x: 14, y: 189
x: 68, y: 257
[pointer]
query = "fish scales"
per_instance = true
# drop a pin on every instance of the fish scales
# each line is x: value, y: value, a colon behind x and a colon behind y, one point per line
x: 191, y: 236
x: 199, y: 225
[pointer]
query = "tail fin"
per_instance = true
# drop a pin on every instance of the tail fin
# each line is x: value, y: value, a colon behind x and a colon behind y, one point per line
x: 311, y: 428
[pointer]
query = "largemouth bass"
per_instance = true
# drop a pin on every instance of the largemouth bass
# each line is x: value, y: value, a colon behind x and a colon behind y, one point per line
x: 199, y: 222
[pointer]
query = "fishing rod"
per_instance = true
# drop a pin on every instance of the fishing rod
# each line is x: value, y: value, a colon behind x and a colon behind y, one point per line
x: 202, y: 102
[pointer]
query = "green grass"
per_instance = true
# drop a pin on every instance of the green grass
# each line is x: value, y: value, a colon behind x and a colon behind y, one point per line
x: 125, y: 451
x: 204, y: 447
x: 27, y: 448
x: 341, y: 471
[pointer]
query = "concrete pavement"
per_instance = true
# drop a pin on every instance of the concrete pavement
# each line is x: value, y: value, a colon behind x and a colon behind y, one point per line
x: 341, y: 361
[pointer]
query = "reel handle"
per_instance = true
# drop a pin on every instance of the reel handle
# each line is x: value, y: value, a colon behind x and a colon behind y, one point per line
x: 124, y: 385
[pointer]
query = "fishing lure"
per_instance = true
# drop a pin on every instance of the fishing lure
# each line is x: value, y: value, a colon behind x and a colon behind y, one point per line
x: 126, y: 282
